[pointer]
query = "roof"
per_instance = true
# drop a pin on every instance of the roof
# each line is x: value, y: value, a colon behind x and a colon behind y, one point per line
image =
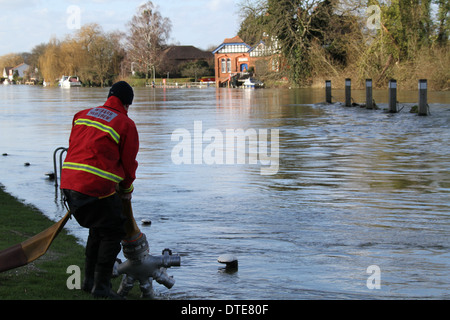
x: 185, y: 53
x: 236, y: 39
x: 260, y: 43
x: 232, y: 41
x: 19, y: 65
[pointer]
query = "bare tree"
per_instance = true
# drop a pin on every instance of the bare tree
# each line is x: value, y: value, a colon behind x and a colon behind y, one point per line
x: 148, y: 33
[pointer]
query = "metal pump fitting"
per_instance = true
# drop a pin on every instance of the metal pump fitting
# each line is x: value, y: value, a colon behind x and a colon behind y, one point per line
x: 170, y: 260
x: 143, y: 267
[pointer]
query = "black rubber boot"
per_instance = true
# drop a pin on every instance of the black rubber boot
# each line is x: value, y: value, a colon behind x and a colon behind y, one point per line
x: 88, y: 284
x: 89, y: 270
x: 102, y: 287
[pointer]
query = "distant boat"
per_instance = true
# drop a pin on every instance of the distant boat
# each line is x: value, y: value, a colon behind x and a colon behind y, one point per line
x: 6, y: 82
x: 252, y: 84
x: 69, y: 82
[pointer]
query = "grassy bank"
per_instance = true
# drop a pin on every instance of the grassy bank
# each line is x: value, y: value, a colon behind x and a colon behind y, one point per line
x: 45, y: 278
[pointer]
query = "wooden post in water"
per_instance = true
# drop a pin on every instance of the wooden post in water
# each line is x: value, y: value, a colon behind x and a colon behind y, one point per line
x: 348, y: 92
x: 369, y: 99
x: 393, y: 96
x: 423, y: 106
x: 328, y: 91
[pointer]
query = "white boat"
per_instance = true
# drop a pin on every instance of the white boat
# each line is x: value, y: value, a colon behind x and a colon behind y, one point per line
x: 69, y: 82
x: 252, y: 84
x: 6, y: 82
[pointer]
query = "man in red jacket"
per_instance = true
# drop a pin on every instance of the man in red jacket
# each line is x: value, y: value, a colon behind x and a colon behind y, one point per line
x: 97, y: 174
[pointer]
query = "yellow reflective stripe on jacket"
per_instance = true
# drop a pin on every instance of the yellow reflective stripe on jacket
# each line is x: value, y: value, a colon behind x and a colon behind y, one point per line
x: 98, y: 172
x: 100, y: 126
x: 129, y: 190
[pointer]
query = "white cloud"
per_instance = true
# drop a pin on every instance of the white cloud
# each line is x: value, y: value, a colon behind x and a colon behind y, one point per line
x: 216, y: 5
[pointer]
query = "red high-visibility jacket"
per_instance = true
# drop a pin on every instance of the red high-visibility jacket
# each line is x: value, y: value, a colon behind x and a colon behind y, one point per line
x: 102, y: 152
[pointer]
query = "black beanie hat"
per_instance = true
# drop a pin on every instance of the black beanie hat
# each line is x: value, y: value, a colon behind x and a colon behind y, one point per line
x: 123, y: 91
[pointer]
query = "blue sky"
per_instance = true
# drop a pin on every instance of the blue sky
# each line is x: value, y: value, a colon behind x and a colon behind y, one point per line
x: 27, y: 23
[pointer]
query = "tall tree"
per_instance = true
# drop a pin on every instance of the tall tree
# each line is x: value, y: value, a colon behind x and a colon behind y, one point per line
x: 297, y: 26
x: 148, y: 34
x: 71, y: 55
x: 406, y: 28
x: 50, y: 62
x: 91, y: 54
x: 101, y: 54
x: 254, y: 21
x: 87, y: 37
x: 443, y: 22
x: 36, y: 52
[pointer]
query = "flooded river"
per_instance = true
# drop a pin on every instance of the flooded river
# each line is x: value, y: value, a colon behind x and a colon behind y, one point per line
x: 318, y: 202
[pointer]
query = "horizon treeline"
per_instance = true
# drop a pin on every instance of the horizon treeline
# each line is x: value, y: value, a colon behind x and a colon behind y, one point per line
x: 97, y: 57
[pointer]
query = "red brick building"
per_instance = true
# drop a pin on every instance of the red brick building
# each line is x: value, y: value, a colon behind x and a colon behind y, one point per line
x: 234, y: 57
